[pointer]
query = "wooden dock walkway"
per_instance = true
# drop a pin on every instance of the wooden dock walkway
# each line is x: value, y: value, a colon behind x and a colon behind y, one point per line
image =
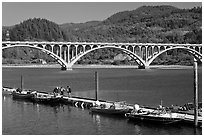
x: 88, y: 102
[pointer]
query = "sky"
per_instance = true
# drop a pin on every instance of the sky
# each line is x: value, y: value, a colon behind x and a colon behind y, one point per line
x: 73, y: 12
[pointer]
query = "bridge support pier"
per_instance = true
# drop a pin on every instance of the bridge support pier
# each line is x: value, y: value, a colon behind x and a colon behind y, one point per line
x: 145, y: 66
x: 64, y: 68
x: 141, y: 67
x: 69, y: 68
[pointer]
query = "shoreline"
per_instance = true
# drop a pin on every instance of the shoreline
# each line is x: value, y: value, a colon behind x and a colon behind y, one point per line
x: 96, y: 66
x: 31, y: 66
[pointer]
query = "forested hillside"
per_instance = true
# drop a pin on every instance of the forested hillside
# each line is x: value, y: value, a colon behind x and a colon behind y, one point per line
x: 156, y: 24
x: 36, y: 29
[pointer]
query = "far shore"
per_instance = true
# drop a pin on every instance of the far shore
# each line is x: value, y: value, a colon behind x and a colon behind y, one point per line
x: 94, y: 66
x: 31, y: 66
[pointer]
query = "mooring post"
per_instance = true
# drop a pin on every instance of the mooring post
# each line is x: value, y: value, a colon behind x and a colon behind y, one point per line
x: 161, y: 103
x: 195, y: 92
x: 96, y: 85
x: 21, y: 83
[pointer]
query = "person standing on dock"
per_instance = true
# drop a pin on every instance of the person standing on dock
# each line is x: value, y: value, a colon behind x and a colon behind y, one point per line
x: 18, y: 90
x: 62, y: 91
x: 55, y: 91
x: 69, y: 91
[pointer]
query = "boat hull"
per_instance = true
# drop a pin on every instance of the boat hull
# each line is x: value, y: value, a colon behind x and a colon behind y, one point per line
x: 154, y: 119
x: 189, y: 119
x: 21, y: 96
x: 110, y: 111
x: 46, y: 100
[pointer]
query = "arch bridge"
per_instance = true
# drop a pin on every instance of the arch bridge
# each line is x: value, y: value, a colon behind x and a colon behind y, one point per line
x: 67, y: 53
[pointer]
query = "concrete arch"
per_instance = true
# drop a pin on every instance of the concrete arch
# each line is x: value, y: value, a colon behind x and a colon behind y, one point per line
x: 124, y: 50
x: 195, y: 53
x: 59, y: 60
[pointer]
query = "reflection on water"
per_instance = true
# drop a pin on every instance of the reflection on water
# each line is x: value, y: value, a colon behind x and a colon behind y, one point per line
x: 143, y: 128
x: 97, y: 121
x: 137, y: 130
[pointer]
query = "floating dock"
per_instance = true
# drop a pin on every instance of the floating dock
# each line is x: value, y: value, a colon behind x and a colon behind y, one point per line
x: 87, y: 103
x: 73, y: 100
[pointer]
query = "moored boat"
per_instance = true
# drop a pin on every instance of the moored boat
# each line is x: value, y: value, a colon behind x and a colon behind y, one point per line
x: 8, y: 90
x: 187, y: 111
x: 189, y: 119
x: 25, y: 94
x: 109, y: 110
x: 160, y: 116
x: 116, y: 108
x: 157, y: 118
x: 187, y: 108
x: 44, y: 97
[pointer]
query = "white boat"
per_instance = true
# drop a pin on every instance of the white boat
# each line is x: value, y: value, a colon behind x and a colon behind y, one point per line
x: 156, y: 116
x: 189, y: 119
x: 116, y: 108
x: 159, y: 115
x: 8, y: 90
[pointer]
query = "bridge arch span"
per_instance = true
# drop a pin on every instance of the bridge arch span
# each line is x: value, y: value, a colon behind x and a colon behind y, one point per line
x: 59, y: 60
x: 137, y: 58
x: 193, y: 52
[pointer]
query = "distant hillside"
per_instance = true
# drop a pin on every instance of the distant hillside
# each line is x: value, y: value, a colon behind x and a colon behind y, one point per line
x: 159, y: 24
x: 36, y: 29
x: 73, y: 30
x: 156, y: 24
x: 142, y: 14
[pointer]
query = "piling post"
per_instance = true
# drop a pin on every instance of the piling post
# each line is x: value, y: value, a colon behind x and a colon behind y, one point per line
x: 22, y: 83
x: 195, y: 93
x: 96, y: 85
x: 161, y: 103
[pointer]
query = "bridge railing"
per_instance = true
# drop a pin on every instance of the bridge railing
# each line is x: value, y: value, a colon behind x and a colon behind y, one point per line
x: 98, y: 43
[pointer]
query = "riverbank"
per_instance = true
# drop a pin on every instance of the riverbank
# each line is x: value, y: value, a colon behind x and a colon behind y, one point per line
x: 31, y: 66
x: 170, y: 67
x: 95, y: 66
x: 129, y: 66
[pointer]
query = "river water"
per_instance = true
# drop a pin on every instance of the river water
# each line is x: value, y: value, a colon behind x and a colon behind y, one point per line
x: 146, y: 87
